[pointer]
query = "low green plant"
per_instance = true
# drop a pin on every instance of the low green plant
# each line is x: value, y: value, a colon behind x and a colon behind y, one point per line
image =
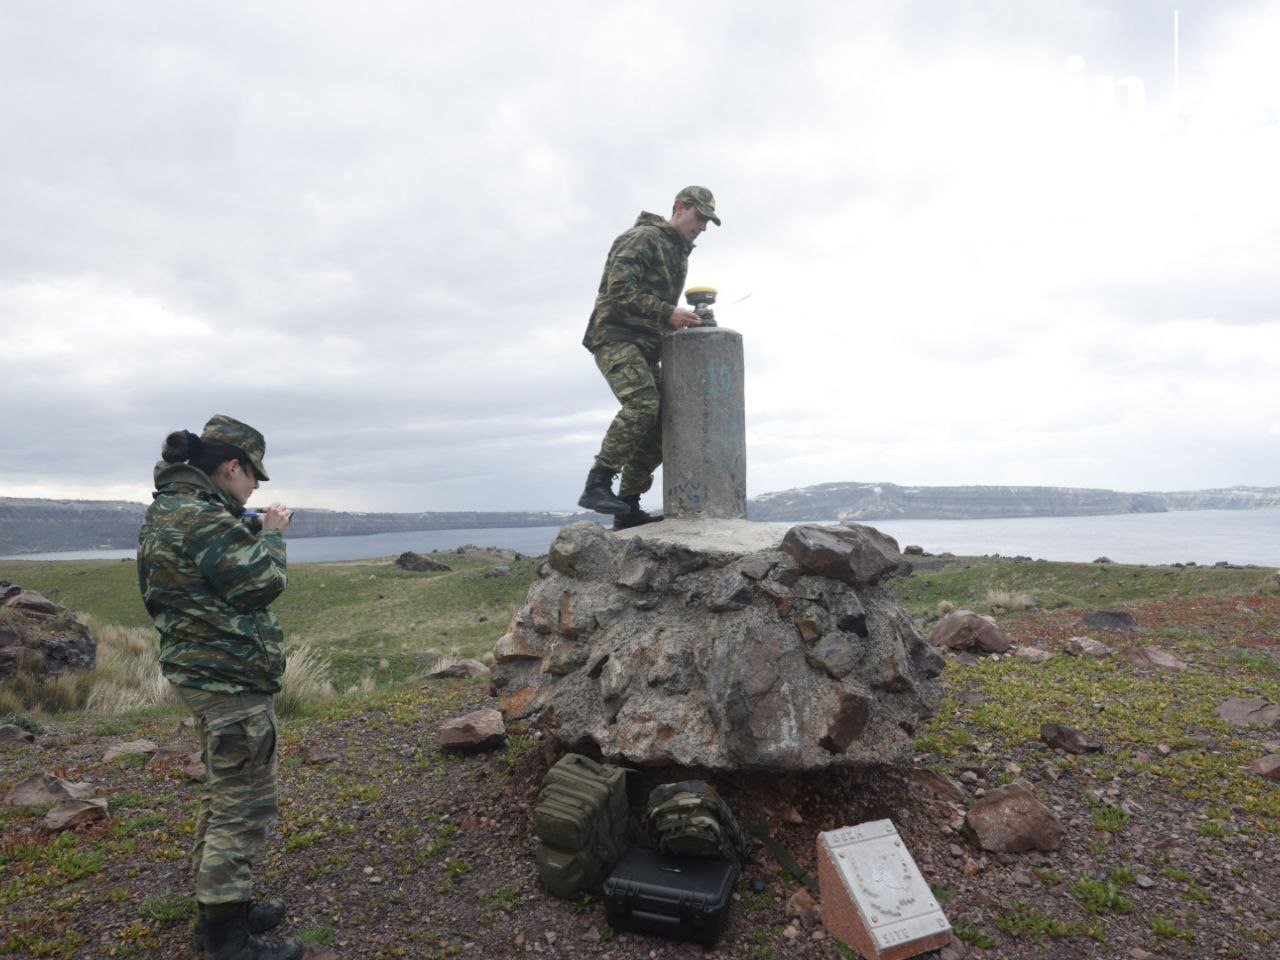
x: 1110, y: 819
x: 974, y: 936
x: 1098, y: 896
x: 166, y: 908
x: 1167, y: 929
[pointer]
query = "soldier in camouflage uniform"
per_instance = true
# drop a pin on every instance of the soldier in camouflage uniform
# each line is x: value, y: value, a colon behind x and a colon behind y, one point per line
x: 636, y: 305
x: 208, y: 575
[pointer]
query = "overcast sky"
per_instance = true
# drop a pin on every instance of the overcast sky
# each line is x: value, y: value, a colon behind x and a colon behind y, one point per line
x: 374, y: 231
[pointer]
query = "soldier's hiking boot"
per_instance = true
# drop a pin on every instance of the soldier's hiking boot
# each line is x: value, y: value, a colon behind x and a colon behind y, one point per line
x: 634, y: 516
x: 227, y: 937
x: 598, y: 493
x: 262, y: 917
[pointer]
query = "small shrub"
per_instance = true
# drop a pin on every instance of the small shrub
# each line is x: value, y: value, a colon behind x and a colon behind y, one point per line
x: 166, y: 907
x: 945, y: 607
x: 1003, y: 601
x: 1099, y: 897
x: 307, y: 682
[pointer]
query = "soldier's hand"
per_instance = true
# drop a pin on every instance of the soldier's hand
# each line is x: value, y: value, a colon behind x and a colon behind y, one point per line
x: 277, y: 517
x: 681, y: 318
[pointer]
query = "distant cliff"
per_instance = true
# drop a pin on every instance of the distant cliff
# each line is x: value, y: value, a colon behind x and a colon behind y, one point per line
x: 888, y: 501
x: 38, y: 526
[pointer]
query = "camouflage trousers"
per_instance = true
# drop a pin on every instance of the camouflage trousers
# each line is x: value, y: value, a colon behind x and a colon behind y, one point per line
x: 633, y: 442
x: 238, y: 804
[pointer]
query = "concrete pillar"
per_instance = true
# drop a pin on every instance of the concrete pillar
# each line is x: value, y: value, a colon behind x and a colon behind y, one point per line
x: 704, y: 432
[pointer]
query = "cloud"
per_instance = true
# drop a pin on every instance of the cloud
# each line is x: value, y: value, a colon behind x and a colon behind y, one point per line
x: 378, y: 238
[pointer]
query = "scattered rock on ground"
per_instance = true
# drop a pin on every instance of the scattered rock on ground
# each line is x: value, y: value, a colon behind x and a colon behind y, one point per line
x: 144, y: 747
x: 939, y: 784
x: 1061, y: 737
x: 1086, y: 647
x: 1034, y: 654
x: 41, y: 788
x: 419, y: 564
x: 1011, y: 819
x: 966, y: 630
x: 1246, y: 711
x: 1109, y: 620
x: 1267, y: 767
x: 478, y: 730
x: 74, y: 813
x: 1151, y: 658
x: 13, y: 735
x: 460, y: 668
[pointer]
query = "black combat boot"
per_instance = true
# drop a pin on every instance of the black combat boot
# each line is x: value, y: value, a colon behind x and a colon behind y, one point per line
x: 634, y: 516
x: 261, y: 918
x: 598, y: 493
x: 226, y: 937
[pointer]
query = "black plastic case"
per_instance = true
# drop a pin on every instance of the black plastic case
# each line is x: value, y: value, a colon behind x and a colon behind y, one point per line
x: 684, y: 898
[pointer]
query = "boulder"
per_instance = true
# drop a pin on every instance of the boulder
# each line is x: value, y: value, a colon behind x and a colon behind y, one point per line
x: 41, y: 788
x: 1010, y: 819
x: 966, y: 630
x: 70, y: 814
x: 420, y: 564
x: 715, y: 657
x: 1246, y: 712
x: 478, y: 730
x: 1151, y: 658
x: 851, y: 552
x: 1086, y: 647
x: 41, y: 638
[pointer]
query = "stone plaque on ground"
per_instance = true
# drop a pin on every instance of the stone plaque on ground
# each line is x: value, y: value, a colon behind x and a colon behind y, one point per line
x: 873, y: 896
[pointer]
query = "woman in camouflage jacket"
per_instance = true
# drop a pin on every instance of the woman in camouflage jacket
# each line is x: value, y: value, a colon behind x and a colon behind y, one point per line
x: 208, y: 574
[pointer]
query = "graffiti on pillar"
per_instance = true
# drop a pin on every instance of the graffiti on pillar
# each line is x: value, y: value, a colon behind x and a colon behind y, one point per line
x: 686, y: 494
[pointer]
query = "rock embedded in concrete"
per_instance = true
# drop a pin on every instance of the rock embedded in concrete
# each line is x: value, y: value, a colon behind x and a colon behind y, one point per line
x: 856, y: 554
x: 727, y: 659
x: 1010, y: 819
x: 963, y: 630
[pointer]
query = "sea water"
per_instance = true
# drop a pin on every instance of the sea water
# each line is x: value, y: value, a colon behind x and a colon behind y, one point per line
x: 1200, y: 536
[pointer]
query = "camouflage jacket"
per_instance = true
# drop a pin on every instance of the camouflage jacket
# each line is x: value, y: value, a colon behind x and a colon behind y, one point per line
x: 643, y: 278
x: 207, y: 579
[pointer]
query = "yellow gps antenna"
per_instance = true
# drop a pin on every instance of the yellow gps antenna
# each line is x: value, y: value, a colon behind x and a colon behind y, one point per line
x: 701, y: 300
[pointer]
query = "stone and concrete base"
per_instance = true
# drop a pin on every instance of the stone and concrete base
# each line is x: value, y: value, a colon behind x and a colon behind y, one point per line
x: 715, y: 644
x: 874, y: 898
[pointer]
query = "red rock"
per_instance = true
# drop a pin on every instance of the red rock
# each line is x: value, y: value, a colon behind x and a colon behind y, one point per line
x: 478, y: 730
x: 966, y: 630
x: 74, y: 813
x: 40, y: 788
x: 1061, y: 737
x: 1244, y: 712
x: 1151, y: 658
x: 857, y: 554
x: 1268, y: 767
x: 1011, y: 820
x: 939, y: 784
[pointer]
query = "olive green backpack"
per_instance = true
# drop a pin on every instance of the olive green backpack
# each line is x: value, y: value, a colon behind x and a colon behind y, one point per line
x: 582, y: 820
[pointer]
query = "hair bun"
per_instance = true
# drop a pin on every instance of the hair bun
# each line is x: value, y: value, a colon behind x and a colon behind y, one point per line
x: 181, y: 445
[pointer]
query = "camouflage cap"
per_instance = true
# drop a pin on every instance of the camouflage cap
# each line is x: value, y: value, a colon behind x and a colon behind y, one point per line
x: 701, y: 198
x: 224, y: 429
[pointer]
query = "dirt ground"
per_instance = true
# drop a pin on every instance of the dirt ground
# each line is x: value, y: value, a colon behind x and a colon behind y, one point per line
x: 387, y: 848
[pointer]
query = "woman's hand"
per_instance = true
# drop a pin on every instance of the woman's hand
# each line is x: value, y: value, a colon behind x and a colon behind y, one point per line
x: 277, y: 517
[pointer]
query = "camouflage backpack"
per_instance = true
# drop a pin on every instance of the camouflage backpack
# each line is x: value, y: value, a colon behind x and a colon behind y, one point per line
x: 690, y: 818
